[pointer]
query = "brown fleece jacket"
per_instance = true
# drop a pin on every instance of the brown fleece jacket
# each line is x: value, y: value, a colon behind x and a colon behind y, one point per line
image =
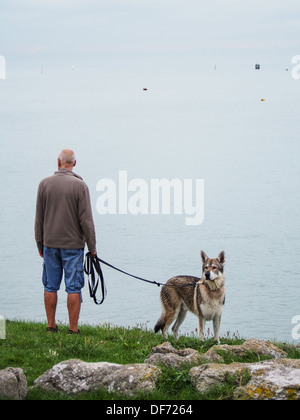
x: 64, y: 217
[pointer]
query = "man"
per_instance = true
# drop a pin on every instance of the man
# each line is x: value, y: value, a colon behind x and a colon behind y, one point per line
x: 63, y: 224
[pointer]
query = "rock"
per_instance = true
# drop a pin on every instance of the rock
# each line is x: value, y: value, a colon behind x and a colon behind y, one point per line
x: 268, y: 380
x: 167, y: 355
x: 261, y: 348
x: 258, y: 347
x: 207, y: 376
x: 13, y: 384
x: 212, y: 356
x: 272, y: 380
x: 75, y: 376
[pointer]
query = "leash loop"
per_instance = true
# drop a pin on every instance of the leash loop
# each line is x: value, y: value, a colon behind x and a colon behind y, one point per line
x: 91, y: 265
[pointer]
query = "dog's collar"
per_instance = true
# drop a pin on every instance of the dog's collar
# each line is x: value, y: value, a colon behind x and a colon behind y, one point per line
x: 205, y: 284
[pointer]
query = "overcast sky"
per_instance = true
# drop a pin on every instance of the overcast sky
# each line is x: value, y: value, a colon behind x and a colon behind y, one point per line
x: 57, y: 30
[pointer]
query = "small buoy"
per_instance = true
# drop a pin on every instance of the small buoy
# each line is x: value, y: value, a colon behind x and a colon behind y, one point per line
x: 145, y: 89
x: 263, y: 100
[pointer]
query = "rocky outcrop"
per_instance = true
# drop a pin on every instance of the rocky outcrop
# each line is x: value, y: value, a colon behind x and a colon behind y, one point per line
x: 75, y: 376
x: 13, y: 384
x: 276, y: 379
x: 166, y: 354
x: 269, y: 380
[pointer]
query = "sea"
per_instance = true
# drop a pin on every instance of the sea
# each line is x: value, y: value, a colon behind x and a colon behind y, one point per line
x: 236, y: 129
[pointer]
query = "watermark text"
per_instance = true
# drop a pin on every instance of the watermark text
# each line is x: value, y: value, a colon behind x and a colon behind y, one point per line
x: 296, y: 68
x: 2, y: 328
x: 296, y: 329
x: 2, y: 67
x: 156, y: 197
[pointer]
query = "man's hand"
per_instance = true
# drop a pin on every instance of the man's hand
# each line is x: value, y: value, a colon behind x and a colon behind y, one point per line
x: 41, y: 253
x: 94, y: 254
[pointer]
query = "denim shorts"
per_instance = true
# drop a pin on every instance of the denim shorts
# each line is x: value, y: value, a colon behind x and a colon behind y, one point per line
x: 63, y: 261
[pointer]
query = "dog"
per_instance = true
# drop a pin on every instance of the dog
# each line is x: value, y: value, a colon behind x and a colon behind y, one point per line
x: 205, y: 297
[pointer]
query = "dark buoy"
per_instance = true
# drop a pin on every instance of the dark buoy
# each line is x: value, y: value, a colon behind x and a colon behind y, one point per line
x: 144, y: 89
x: 257, y: 66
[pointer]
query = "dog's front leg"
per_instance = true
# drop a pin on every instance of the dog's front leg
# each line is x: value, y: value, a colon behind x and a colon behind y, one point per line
x: 217, y: 323
x: 201, y: 328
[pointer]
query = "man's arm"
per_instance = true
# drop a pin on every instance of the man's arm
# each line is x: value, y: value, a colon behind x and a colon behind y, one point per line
x: 86, y: 220
x: 39, y: 222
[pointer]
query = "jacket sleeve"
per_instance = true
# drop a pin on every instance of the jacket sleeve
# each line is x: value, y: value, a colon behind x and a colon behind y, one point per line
x: 39, y: 220
x: 86, y: 219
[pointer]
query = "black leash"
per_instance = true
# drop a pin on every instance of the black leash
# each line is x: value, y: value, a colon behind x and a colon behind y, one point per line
x: 93, y: 263
x: 131, y: 275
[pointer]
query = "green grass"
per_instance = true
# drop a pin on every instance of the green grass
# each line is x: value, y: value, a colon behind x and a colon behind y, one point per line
x: 29, y: 347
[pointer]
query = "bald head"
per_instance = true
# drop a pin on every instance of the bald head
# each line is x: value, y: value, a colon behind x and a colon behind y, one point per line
x: 66, y: 159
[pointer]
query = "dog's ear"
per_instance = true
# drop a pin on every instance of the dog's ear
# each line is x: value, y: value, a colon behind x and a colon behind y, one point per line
x: 204, y: 257
x: 221, y: 258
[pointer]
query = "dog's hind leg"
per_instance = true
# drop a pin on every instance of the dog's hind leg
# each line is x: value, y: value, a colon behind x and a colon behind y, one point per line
x: 170, y: 315
x: 169, y: 310
x: 164, y: 322
x: 180, y: 318
x: 161, y: 323
x: 166, y: 319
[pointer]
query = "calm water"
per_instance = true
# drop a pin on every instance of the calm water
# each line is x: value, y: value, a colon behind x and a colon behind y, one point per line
x: 209, y: 125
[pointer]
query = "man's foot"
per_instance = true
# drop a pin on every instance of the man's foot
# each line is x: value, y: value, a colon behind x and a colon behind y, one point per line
x: 74, y: 332
x: 50, y: 330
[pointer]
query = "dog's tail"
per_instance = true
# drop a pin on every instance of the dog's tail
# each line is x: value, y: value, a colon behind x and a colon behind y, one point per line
x: 160, y: 325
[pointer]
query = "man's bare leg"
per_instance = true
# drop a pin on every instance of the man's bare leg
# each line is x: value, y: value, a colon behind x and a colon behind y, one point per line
x: 50, y: 299
x: 74, y: 305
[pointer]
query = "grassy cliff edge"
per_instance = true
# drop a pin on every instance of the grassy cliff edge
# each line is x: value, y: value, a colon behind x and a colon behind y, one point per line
x: 29, y: 347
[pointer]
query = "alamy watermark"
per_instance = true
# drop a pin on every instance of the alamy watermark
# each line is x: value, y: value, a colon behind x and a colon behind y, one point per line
x: 2, y: 328
x: 296, y: 69
x: 296, y: 329
x: 156, y: 197
x: 2, y: 67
